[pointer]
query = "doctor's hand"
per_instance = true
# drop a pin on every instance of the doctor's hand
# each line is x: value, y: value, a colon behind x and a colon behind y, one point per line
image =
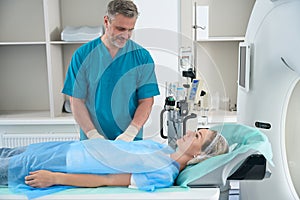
x: 129, y: 134
x: 93, y: 134
x: 41, y: 179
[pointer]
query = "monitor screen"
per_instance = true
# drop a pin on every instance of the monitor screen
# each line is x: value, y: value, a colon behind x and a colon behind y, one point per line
x: 193, y: 91
x: 242, y: 67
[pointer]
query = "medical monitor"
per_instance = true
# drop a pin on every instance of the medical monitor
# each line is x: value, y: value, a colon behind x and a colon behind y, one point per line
x: 194, y: 90
x: 244, y: 66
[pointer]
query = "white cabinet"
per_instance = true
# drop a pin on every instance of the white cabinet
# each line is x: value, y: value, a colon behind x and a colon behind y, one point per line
x: 34, y: 60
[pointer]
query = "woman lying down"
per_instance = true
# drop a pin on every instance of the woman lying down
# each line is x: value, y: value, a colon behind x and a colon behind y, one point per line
x: 48, y: 167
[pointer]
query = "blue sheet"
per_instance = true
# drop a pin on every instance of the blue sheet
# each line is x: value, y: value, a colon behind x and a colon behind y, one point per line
x: 147, y: 161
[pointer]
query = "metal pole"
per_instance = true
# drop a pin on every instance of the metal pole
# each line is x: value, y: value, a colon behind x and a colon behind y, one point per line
x: 195, y: 38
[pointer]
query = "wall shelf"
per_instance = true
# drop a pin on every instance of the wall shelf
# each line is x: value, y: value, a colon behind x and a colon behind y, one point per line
x: 34, y: 118
x: 33, y: 60
x: 22, y: 43
x: 65, y: 42
x: 223, y: 39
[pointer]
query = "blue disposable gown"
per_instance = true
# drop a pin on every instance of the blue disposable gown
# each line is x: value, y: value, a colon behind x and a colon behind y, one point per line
x: 147, y: 161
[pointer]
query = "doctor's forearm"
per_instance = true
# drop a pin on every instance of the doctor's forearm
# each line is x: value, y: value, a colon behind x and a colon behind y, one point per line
x: 142, y: 112
x: 81, y: 114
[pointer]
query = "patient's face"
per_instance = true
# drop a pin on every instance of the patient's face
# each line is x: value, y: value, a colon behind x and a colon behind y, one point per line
x: 192, y: 142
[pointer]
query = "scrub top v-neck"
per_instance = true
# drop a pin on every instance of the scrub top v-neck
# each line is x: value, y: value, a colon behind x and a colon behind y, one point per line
x: 111, y: 87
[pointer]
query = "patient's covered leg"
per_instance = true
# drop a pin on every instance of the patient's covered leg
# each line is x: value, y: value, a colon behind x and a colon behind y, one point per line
x: 9, y: 152
x: 5, y: 154
x: 4, y: 171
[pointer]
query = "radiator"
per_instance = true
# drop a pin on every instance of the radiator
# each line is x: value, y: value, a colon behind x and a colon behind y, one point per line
x: 22, y: 139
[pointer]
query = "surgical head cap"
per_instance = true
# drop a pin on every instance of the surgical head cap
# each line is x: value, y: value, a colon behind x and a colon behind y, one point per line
x: 217, y: 146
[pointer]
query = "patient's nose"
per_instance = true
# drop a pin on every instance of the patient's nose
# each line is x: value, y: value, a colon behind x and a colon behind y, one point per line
x: 190, y: 133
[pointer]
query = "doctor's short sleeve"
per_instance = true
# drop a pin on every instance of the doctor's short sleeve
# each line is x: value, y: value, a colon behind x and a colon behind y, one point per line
x: 75, y: 83
x: 147, y: 82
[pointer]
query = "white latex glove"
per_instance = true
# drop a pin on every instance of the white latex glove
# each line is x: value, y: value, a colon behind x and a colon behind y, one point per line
x: 129, y: 134
x: 93, y: 134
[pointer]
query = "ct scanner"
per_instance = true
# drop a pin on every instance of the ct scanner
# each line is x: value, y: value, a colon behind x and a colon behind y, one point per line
x: 269, y: 94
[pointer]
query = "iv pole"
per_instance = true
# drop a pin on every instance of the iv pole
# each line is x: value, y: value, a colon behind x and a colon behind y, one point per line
x: 195, y: 27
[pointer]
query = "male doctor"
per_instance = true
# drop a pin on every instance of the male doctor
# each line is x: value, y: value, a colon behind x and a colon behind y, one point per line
x: 111, y: 80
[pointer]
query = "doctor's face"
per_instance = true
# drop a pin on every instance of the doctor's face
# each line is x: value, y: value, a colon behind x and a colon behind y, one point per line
x: 119, y: 29
x: 192, y: 142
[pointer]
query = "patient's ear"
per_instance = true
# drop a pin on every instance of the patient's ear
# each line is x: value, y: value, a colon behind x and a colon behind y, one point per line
x: 196, y: 154
x: 234, y: 147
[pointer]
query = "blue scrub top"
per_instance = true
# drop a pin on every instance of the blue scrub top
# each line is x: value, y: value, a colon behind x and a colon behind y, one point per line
x: 111, y: 87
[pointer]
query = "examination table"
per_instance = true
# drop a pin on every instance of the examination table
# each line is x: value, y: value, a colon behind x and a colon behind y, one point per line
x: 250, y: 152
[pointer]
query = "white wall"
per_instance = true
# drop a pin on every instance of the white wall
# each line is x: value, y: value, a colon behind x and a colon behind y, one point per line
x: 157, y: 29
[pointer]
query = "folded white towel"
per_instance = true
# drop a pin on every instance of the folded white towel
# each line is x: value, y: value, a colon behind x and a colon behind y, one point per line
x: 81, y: 33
